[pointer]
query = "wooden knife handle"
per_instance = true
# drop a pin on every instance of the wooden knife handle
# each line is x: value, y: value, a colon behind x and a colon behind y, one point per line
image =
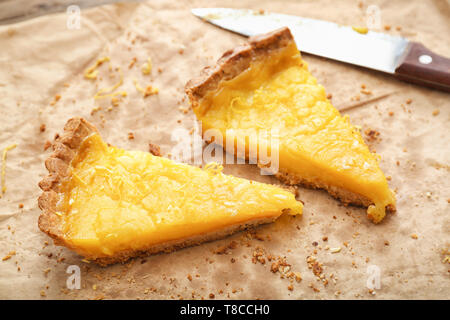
x: 422, y: 66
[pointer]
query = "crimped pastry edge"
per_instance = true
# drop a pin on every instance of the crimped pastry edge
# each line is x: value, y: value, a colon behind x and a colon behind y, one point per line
x: 65, y: 148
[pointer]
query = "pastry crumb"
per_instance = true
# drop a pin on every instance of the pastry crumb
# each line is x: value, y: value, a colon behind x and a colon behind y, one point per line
x: 154, y: 149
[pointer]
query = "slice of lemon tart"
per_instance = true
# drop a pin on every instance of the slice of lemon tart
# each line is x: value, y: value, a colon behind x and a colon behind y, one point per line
x: 109, y: 204
x: 264, y: 85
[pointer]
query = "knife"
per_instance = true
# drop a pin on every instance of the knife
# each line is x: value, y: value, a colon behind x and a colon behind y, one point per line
x: 407, y: 60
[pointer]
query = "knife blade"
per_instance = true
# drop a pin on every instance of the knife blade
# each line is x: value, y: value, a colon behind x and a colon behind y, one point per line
x: 395, y: 55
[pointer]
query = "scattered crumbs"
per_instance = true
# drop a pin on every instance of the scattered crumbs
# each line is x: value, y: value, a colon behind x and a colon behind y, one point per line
x: 149, y: 91
x: 414, y: 236
x: 329, y: 96
x: 189, y: 277
x: 211, y: 296
x: 42, y: 127
x: 311, y: 285
x: 130, y: 136
x: 391, y: 113
x: 225, y: 249
x: 386, y: 243
x: 398, y: 28
x: 387, y: 27
x: 20, y: 205
x: 314, y: 265
x: 372, y: 135
x: 325, y: 238
x: 408, y: 101
x: 55, y: 99
x: 290, y: 287
x: 43, y: 294
x: 436, y: 112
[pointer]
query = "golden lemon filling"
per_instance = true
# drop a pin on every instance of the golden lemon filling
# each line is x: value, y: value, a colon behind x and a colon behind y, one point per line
x: 315, y: 142
x: 117, y: 200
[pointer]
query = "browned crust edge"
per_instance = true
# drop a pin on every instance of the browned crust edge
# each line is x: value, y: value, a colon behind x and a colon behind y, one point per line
x: 343, y: 195
x: 171, y: 246
x: 237, y: 60
x: 65, y: 148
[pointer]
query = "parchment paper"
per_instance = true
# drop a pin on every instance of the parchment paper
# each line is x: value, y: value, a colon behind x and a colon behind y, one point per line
x: 42, y: 59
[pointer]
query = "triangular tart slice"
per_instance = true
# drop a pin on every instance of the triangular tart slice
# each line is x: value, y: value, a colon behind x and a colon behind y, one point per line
x: 109, y: 204
x: 265, y: 85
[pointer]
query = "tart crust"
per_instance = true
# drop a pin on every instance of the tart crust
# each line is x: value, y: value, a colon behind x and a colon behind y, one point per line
x: 233, y: 63
x: 65, y: 148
